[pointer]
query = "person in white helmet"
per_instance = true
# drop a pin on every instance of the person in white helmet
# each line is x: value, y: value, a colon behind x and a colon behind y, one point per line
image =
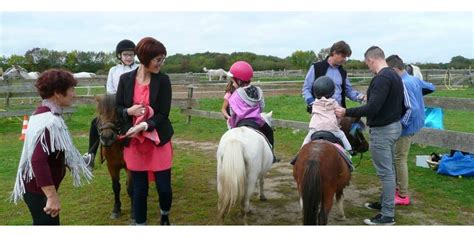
x: 125, y: 52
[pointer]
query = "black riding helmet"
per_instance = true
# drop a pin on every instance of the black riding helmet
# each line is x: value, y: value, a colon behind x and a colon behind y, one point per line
x: 323, y: 86
x: 124, y: 45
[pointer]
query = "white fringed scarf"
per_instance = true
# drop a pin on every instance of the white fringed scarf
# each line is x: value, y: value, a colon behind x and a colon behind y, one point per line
x: 60, y: 140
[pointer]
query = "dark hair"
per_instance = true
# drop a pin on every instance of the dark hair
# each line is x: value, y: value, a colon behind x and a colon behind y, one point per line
x: 230, y: 86
x: 54, y: 80
x: 374, y: 52
x: 148, y: 48
x: 341, y: 47
x: 241, y: 83
x: 394, y: 61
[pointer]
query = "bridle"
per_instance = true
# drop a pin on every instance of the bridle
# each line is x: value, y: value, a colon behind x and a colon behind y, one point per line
x: 108, y: 125
x: 356, y: 134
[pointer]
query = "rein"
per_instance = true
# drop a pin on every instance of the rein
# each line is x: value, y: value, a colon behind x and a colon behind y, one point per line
x: 360, y: 160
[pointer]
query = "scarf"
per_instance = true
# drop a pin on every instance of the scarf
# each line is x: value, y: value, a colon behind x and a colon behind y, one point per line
x: 153, y: 135
x: 60, y: 140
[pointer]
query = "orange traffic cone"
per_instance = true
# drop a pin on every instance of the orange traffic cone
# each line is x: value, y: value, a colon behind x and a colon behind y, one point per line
x: 25, y: 125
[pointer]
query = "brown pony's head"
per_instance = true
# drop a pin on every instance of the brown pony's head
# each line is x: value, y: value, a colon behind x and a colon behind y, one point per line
x: 107, y: 122
x: 353, y: 128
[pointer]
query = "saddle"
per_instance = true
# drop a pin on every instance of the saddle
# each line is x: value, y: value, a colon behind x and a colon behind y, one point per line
x: 326, y: 135
x: 254, y: 125
x: 330, y: 137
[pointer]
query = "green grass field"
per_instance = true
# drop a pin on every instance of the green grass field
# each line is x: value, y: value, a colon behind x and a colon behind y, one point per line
x: 437, y: 199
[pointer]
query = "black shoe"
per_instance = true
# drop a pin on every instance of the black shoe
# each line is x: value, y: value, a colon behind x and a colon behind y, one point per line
x: 293, y: 162
x: 379, y: 219
x: 165, y: 220
x: 373, y: 206
x: 275, y: 160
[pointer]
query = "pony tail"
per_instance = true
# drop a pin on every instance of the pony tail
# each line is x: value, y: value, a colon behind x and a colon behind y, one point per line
x: 231, y: 176
x: 311, y: 200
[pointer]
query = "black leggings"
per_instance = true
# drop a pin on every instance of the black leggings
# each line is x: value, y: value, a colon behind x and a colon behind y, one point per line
x: 93, y: 137
x: 268, y: 132
x: 36, y: 203
x: 140, y: 192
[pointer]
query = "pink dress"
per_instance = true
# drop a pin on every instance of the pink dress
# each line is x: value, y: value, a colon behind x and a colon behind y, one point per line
x: 146, y: 156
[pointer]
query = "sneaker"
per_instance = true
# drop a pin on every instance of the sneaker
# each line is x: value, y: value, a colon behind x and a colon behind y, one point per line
x: 373, y: 205
x: 379, y: 219
x: 402, y: 201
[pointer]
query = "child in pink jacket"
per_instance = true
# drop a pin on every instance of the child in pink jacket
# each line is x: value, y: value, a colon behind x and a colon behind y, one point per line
x: 323, y: 116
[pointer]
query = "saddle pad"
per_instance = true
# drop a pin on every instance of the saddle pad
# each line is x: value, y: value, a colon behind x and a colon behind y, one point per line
x: 345, y: 155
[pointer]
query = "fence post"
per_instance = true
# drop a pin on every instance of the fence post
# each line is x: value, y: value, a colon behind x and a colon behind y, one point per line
x: 470, y: 77
x: 426, y: 77
x: 8, y: 94
x: 7, y: 99
x: 190, y: 100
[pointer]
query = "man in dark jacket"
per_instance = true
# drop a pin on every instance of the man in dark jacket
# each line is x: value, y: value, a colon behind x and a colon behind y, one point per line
x: 384, y: 109
x: 332, y: 67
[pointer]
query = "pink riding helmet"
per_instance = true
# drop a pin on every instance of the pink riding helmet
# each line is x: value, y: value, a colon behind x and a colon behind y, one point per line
x: 241, y: 70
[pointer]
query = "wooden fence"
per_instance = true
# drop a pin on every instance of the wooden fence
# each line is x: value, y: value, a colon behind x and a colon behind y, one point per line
x: 439, y: 138
x: 24, y: 89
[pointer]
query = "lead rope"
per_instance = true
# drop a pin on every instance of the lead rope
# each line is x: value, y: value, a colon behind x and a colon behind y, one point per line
x: 360, y: 160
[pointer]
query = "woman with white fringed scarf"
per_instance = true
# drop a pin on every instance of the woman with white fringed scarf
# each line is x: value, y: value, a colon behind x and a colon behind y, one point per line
x: 48, y: 149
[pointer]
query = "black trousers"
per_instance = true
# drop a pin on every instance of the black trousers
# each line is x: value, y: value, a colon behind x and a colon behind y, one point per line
x: 140, y: 192
x: 93, y: 137
x: 36, y: 203
x: 268, y: 132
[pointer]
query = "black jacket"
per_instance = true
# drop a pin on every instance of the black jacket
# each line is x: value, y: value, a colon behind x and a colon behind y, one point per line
x: 160, y: 101
x: 320, y: 69
x: 384, y: 100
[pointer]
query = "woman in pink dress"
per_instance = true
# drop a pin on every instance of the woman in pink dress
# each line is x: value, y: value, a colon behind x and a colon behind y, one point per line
x: 143, y: 103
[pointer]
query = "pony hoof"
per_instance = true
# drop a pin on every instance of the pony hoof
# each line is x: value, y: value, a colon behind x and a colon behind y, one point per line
x: 341, y: 218
x: 115, y: 215
x: 263, y: 199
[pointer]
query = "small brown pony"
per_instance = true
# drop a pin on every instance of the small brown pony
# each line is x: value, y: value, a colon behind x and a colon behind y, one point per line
x: 320, y: 172
x: 111, y: 150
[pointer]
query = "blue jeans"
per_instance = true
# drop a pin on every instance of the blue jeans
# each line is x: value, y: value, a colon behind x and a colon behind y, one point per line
x: 382, y: 149
x: 140, y: 192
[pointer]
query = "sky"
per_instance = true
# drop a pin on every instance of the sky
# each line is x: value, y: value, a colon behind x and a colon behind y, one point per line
x: 426, y: 37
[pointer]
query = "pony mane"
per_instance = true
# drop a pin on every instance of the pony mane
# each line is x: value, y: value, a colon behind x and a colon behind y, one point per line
x: 106, y: 108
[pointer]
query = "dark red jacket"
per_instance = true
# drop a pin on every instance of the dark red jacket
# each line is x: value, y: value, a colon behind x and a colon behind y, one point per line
x: 47, y: 169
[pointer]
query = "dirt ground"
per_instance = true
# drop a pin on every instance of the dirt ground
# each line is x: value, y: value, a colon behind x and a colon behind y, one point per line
x: 282, y: 206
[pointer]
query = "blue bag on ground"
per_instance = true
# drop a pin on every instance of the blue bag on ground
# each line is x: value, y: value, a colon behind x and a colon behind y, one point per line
x: 456, y: 165
x: 434, y: 118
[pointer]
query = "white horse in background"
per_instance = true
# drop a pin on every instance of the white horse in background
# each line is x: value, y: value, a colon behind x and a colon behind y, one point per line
x: 243, y: 156
x: 16, y: 72
x: 33, y: 75
x: 84, y: 75
x: 215, y: 73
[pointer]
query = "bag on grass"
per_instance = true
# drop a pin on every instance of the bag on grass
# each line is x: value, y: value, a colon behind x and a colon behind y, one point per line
x: 457, y: 165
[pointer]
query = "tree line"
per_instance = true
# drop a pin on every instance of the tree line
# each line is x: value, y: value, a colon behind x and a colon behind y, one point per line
x: 40, y: 59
